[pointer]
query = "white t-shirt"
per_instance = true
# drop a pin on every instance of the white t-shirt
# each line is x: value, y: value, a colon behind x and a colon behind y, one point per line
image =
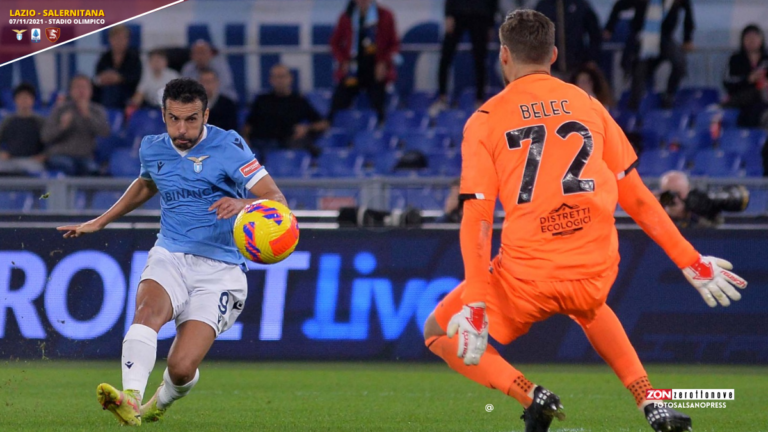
x: 152, y: 87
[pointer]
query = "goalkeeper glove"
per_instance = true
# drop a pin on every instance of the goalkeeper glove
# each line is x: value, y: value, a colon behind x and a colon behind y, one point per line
x: 710, y: 276
x: 471, y: 324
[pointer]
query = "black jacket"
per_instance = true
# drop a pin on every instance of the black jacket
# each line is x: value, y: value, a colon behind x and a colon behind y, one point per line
x: 116, y: 96
x: 581, y: 23
x: 739, y: 68
x: 223, y: 113
x: 471, y: 7
x: 667, y: 26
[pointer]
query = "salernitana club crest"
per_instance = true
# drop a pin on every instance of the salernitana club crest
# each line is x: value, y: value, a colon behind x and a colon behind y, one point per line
x: 198, y: 162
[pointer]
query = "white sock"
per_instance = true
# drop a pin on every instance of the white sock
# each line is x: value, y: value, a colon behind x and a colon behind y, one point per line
x: 171, y: 392
x: 139, y: 352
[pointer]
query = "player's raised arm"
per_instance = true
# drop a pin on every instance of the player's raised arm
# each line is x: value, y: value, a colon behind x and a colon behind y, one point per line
x: 478, y: 191
x: 139, y: 192
x: 709, y: 275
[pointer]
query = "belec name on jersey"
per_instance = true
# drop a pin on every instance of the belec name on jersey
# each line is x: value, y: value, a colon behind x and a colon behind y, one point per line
x: 544, y: 109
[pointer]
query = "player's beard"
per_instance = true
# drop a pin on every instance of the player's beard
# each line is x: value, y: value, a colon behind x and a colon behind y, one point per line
x: 184, y: 142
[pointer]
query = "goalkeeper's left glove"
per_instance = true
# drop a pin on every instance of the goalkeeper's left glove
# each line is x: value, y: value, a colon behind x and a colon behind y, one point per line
x: 472, y: 326
x: 710, y: 276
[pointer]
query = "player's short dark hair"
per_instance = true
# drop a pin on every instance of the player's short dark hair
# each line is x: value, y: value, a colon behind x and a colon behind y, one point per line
x: 186, y: 91
x: 529, y: 36
x: 25, y: 87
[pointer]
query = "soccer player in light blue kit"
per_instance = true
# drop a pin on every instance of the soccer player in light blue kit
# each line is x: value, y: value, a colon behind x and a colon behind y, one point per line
x: 194, y: 273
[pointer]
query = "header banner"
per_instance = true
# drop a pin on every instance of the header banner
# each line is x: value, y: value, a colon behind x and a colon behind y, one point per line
x: 31, y: 26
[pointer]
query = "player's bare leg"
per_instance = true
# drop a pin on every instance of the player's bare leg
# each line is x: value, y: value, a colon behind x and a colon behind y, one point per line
x: 153, y: 309
x: 193, y: 340
x: 610, y: 341
x: 494, y: 372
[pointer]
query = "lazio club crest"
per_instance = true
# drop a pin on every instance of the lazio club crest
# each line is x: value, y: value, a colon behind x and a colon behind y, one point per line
x: 198, y: 162
x: 19, y: 33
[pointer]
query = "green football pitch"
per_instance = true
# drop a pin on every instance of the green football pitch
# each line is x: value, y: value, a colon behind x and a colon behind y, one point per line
x: 293, y: 397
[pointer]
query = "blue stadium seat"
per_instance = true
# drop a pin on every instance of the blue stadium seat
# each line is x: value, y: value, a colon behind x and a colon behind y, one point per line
x: 452, y: 121
x: 339, y: 163
x: 106, y: 145
x: 753, y: 163
x: 689, y: 141
x: 626, y: 119
x: 716, y: 163
x: 334, y: 138
x: 742, y: 141
x: 420, y: 100
x: 384, y: 163
x: 354, y: 120
x: 466, y: 100
x: 445, y: 164
x: 103, y: 200
x: 287, y: 163
x: 696, y: 99
x: 124, y: 163
x: 242, y: 116
x: 6, y: 99
x: 654, y: 163
x: 657, y: 124
x: 727, y: 118
x: 372, y: 143
x: 144, y: 122
x: 320, y: 100
x: 424, y: 141
x: 405, y: 121
x: 16, y: 201
x: 649, y: 102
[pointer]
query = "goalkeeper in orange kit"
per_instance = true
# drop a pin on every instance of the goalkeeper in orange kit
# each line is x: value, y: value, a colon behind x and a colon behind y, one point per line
x: 559, y: 164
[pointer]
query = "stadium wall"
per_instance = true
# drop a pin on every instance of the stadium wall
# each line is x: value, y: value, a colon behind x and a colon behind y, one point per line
x: 363, y: 295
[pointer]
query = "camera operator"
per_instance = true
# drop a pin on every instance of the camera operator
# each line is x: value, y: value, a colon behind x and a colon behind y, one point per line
x: 699, y: 208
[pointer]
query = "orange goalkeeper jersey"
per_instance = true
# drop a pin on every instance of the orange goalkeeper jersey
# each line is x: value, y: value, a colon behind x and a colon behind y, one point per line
x: 553, y: 156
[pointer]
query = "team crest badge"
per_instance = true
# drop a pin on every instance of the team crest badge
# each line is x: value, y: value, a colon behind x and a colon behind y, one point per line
x: 198, y: 162
x: 19, y: 33
x: 53, y: 33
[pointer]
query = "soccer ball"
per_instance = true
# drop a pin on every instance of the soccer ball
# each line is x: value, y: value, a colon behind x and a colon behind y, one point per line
x: 266, y: 232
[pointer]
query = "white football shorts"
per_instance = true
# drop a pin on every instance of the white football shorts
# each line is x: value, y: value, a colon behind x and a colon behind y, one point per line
x: 201, y: 289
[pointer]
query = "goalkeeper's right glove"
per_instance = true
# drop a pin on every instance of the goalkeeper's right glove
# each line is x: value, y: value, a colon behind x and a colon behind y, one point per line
x: 710, y: 276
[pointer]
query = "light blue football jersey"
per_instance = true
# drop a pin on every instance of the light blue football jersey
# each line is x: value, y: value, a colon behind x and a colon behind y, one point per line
x: 220, y: 165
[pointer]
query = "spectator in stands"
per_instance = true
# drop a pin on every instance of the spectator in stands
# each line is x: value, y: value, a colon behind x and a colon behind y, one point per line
x: 223, y: 110
x: 746, y: 80
x: 475, y: 17
x: 590, y: 79
x: 70, y: 131
x: 282, y: 118
x: 577, y: 34
x: 21, y: 148
x: 202, y: 56
x: 364, y: 44
x: 118, y: 71
x: 153, y: 81
x: 651, y: 42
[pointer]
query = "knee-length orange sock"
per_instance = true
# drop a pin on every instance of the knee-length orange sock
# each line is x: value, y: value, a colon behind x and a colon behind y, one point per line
x: 492, y: 371
x: 608, y: 338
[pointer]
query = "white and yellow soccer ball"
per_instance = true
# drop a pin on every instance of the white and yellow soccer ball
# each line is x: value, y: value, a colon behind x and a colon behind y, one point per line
x: 266, y: 232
